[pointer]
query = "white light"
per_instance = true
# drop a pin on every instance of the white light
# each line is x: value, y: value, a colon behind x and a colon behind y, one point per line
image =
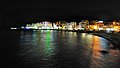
x: 35, y: 27
x: 108, y: 29
x: 55, y: 27
x: 48, y: 27
x: 13, y: 28
x: 22, y: 27
x: 76, y: 29
x: 52, y: 28
x: 100, y: 21
x: 27, y: 27
x: 100, y: 28
x: 112, y: 29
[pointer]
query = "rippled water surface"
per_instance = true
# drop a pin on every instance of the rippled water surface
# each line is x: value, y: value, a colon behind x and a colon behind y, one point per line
x: 59, y: 49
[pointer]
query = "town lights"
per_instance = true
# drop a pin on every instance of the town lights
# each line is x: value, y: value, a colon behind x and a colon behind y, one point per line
x: 22, y: 27
x: 83, y: 25
x: 100, y: 28
x: 95, y: 27
x: 13, y: 28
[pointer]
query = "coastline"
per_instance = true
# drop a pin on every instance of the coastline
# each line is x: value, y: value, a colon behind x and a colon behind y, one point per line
x: 114, y: 38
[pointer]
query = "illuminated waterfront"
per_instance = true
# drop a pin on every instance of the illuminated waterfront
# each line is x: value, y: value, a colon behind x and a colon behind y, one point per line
x: 58, y: 49
x: 84, y: 25
x: 59, y: 34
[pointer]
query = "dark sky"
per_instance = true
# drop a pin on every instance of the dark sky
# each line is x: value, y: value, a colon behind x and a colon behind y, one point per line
x: 22, y: 11
x: 71, y: 5
x: 78, y: 7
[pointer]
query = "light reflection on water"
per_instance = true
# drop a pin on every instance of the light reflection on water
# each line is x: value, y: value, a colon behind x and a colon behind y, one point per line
x: 60, y: 49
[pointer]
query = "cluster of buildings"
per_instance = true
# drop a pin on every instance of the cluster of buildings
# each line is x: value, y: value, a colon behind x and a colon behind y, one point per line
x: 83, y: 25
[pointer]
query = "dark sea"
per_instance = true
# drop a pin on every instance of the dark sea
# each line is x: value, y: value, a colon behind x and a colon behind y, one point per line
x: 56, y: 49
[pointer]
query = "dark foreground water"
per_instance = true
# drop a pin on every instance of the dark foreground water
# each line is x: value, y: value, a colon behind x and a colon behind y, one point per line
x: 56, y: 49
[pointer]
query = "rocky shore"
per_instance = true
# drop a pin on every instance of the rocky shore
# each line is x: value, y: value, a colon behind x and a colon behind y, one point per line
x: 114, y: 38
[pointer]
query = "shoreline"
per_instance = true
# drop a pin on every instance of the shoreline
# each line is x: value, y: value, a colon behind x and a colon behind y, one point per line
x: 114, y: 38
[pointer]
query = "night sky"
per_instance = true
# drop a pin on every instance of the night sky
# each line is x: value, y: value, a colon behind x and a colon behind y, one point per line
x: 19, y: 9
x: 70, y: 5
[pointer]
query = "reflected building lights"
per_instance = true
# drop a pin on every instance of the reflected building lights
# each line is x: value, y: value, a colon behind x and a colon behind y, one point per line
x: 89, y: 36
x: 48, y: 48
x: 96, y: 44
x: 13, y: 28
x: 96, y: 56
x: 45, y: 47
x: 83, y: 35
